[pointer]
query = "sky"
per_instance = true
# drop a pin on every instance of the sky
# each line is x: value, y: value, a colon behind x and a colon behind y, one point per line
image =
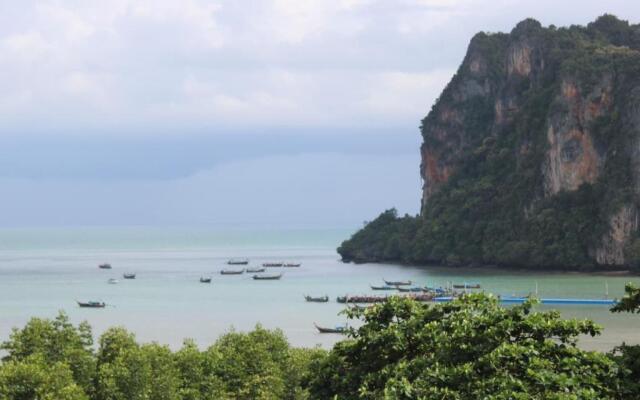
x: 273, y: 113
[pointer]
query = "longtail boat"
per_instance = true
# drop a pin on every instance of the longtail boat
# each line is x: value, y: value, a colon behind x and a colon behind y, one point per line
x: 91, y: 304
x: 205, y: 280
x: 414, y: 289
x: 397, y: 283
x: 385, y: 287
x: 272, y: 264
x: 129, y: 276
x: 258, y: 269
x: 337, y: 329
x: 291, y: 265
x: 240, y: 261
x: 361, y: 299
x: 104, y: 266
x: 232, y: 271
x: 466, y: 286
x: 323, y: 299
x: 267, y: 277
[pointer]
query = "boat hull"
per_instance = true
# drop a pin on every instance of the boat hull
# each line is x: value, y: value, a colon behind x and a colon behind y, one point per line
x: 310, y: 299
x: 267, y: 277
x: 341, y: 331
x: 398, y: 283
x: 230, y: 272
x: 91, y: 304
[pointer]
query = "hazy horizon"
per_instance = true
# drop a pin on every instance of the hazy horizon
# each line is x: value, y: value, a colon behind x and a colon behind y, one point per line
x: 225, y: 114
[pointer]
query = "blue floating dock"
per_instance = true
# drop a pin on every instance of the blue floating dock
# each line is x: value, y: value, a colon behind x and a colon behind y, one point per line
x: 520, y: 300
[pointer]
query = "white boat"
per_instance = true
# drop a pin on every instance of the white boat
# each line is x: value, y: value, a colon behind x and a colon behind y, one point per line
x: 113, y: 281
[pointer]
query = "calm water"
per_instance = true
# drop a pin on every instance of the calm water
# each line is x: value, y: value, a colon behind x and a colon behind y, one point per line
x: 43, y: 271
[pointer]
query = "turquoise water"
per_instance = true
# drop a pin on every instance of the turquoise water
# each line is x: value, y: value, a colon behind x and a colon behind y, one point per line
x: 46, y: 270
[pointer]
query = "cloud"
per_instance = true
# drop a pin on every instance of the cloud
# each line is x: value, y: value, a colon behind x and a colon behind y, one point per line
x: 202, y: 65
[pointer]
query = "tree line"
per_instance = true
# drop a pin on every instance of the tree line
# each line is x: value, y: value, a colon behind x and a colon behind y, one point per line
x: 471, y: 348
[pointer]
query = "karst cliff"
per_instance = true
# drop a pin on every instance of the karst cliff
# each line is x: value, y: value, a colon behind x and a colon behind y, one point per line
x: 530, y: 156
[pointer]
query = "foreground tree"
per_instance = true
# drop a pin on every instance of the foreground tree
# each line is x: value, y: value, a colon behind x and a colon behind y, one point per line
x: 55, y: 341
x: 261, y: 365
x: 34, y: 378
x: 628, y: 356
x: 471, y: 348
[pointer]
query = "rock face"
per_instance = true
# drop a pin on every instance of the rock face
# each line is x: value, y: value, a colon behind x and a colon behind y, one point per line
x: 571, y: 157
x: 587, y: 131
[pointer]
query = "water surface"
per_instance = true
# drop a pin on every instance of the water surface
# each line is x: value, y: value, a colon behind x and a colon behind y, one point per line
x: 43, y: 271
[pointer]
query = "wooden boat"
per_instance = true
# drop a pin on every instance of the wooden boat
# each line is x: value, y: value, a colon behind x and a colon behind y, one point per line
x: 104, y: 266
x: 129, y: 276
x: 337, y: 329
x: 205, y: 280
x: 272, y: 264
x: 259, y: 269
x: 311, y: 299
x: 113, y: 281
x: 361, y: 299
x: 397, y: 283
x: 466, y: 286
x: 240, y: 261
x: 91, y: 304
x: 385, y: 287
x: 414, y: 289
x: 267, y: 277
x: 232, y: 271
x: 292, y: 265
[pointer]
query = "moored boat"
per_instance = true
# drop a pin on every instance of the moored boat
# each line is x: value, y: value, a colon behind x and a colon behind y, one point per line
x: 414, y: 289
x: 291, y: 265
x: 384, y: 287
x: 267, y: 277
x: 129, y: 276
x: 397, y: 283
x: 205, y: 280
x: 466, y: 285
x: 337, y: 329
x: 91, y: 304
x: 104, y: 266
x: 238, y: 261
x: 439, y: 291
x: 232, y: 271
x: 113, y: 281
x: 272, y: 264
x: 258, y: 269
x: 361, y: 299
x: 311, y: 299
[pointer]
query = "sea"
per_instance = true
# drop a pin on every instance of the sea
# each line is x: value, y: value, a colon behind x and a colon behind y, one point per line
x: 45, y: 271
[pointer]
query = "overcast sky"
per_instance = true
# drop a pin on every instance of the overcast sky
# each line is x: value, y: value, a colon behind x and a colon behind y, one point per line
x: 282, y: 112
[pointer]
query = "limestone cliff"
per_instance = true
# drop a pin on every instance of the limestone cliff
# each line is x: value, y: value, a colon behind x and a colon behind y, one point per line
x: 531, y: 155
